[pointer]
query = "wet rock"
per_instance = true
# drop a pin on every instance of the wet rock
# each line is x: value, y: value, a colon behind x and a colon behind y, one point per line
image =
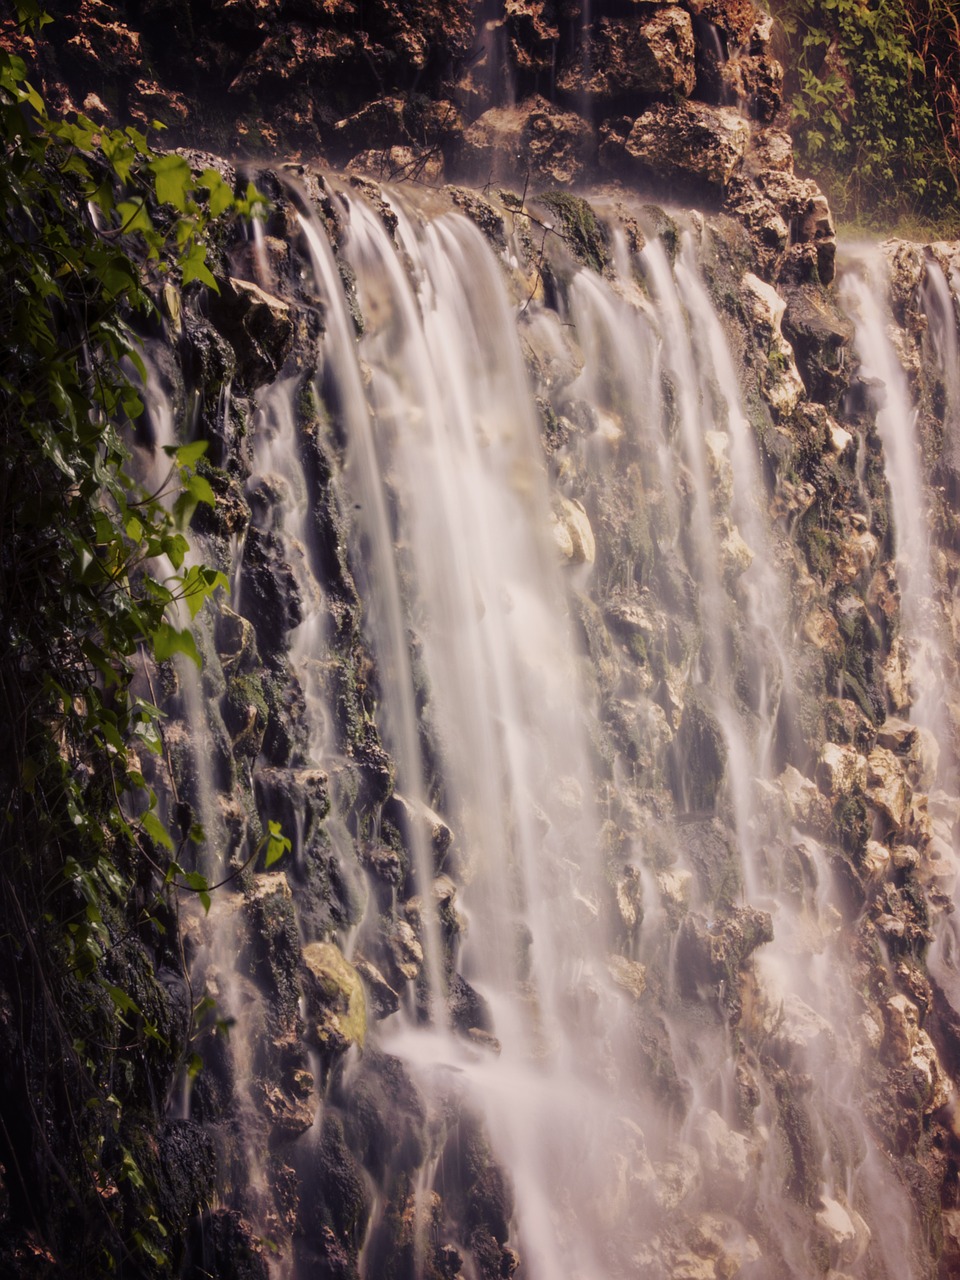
x: 710, y: 954
x: 700, y: 753
x: 382, y: 1000
x: 757, y: 80
x: 333, y: 1194
x: 820, y: 336
x: 677, y: 1178
x: 272, y: 952
x: 271, y: 597
x: 257, y: 325
x: 800, y: 1037
x: 186, y: 1170
x: 724, y: 1153
x: 413, y: 819
x: 629, y: 895
x: 384, y: 1117
x: 628, y: 975
x: 675, y: 888
x: 887, y: 788
x: 689, y: 145
x: 781, y: 381
x: 807, y: 804
x: 840, y: 770
x: 336, y: 1006
x: 843, y: 1230
x: 467, y: 1008
x: 916, y: 748
x: 405, y: 951
x: 296, y: 798
x: 290, y: 1110
x: 223, y: 1245
x: 736, y: 556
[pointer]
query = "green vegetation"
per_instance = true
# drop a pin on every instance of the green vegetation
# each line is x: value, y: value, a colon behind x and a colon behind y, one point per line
x: 874, y: 96
x: 94, y: 575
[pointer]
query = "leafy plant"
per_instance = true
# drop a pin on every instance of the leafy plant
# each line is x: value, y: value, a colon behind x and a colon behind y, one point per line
x: 95, y: 580
x: 874, y: 103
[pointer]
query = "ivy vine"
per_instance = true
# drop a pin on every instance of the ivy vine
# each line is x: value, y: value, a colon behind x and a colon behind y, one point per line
x: 95, y: 580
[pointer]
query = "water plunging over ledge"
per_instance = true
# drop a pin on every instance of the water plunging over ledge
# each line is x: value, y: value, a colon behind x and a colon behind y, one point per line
x: 603, y: 1001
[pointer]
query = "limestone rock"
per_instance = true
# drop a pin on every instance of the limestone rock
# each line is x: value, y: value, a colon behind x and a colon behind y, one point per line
x: 629, y: 893
x: 803, y: 796
x: 257, y: 325
x: 710, y: 954
x: 691, y: 144
x: 724, y: 1153
x: 674, y: 888
x: 800, y: 1035
x: 406, y: 950
x: 820, y: 336
x: 718, y: 461
x: 737, y: 557
x: 533, y: 34
x: 677, y: 1178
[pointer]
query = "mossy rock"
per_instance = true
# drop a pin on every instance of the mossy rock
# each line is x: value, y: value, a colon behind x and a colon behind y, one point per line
x: 336, y: 1004
x: 586, y: 238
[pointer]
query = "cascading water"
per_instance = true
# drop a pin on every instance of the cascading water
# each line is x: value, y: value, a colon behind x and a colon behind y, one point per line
x: 605, y: 936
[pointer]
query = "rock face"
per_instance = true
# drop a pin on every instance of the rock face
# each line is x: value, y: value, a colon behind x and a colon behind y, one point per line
x: 775, y: 827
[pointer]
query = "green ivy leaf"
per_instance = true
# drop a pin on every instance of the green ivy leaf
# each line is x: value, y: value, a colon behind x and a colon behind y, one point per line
x: 168, y: 640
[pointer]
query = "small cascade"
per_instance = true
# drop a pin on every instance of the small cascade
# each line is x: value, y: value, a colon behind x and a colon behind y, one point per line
x: 864, y: 289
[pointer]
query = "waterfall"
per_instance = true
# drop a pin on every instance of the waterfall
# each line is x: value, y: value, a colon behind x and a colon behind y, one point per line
x: 582, y: 993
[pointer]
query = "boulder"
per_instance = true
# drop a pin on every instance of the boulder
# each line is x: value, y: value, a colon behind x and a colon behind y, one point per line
x: 689, y: 145
x: 336, y: 1006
